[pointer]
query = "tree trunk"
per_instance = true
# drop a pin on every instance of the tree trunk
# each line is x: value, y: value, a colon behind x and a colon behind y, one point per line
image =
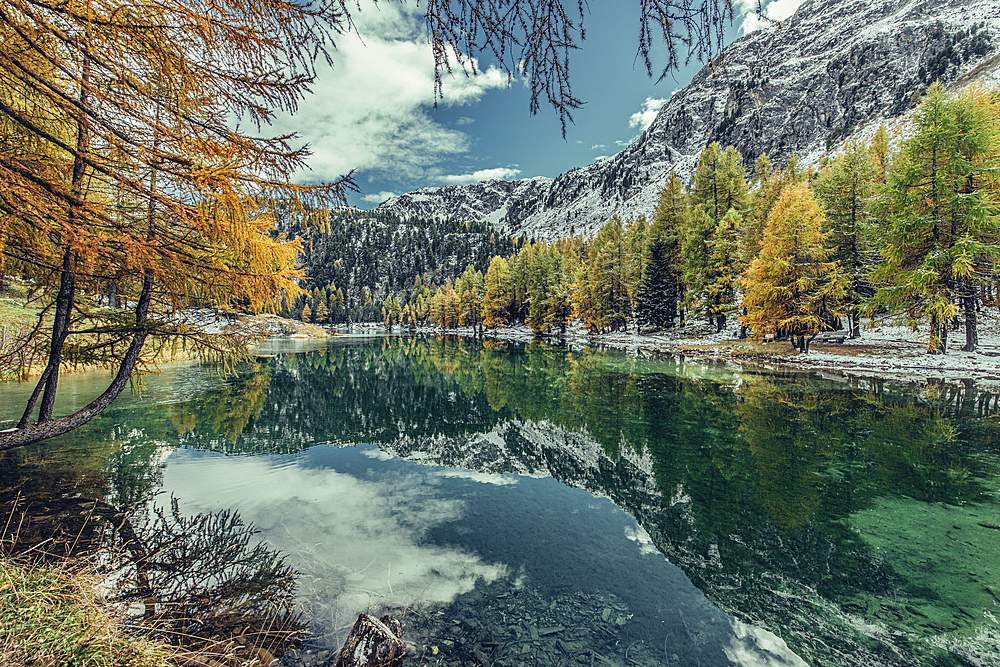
x: 373, y: 643
x: 938, y: 338
x: 971, y: 332
x: 854, y: 318
x: 60, y: 329
x: 26, y: 434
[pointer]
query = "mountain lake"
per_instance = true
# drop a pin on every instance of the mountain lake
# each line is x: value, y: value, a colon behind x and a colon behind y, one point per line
x: 541, y: 505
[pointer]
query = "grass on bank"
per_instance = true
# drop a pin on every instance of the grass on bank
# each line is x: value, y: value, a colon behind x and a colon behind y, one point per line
x: 13, y: 306
x: 51, y: 616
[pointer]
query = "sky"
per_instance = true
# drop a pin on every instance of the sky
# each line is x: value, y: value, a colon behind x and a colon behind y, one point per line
x: 374, y: 111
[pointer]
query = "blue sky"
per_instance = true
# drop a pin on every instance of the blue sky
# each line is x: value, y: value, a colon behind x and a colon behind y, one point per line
x: 374, y: 110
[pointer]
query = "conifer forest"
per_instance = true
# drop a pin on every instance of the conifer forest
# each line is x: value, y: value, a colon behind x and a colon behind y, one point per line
x: 887, y: 228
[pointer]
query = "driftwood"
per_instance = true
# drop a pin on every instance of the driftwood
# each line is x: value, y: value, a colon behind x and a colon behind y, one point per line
x: 373, y: 643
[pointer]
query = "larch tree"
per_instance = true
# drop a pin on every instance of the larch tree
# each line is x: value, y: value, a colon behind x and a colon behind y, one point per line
x: 724, y: 269
x: 470, y: 288
x: 845, y: 189
x: 496, y: 301
x: 608, y: 278
x: 720, y: 185
x: 696, y: 259
x: 636, y: 257
x: 768, y: 183
x: 321, y: 313
x: 520, y: 280
x: 791, y: 288
x: 941, y: 203
x: 720, y: 181
x: 880, y: 153
x: 122, y: 171
x: 545, y: 280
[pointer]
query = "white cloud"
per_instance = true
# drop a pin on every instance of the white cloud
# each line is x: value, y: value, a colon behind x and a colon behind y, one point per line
x: 465, y: 120
x: 502, y: 173
x: 378, y: 198
x: 644, y: 118
x: 369, y: 112
x: 777, y: 10
x: 599, y: 147
x: 639, y: 535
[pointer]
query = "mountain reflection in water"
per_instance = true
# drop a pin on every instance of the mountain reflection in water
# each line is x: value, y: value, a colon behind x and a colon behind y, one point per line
x: 857, y: 523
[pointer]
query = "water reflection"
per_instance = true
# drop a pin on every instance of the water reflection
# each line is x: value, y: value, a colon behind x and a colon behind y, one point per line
x: 362, y: 540
x: 859, y: 523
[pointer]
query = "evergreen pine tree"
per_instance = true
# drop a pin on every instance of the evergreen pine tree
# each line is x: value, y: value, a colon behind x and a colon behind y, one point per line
x: 662, y: 291
x: 656, y: 302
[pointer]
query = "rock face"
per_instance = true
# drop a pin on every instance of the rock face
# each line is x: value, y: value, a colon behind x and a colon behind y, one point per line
x: 833, y: 69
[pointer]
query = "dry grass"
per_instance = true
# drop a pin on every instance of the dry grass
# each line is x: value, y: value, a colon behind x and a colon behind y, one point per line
x: 53, y: 612
x: 742, y: 349
x: 50, y: 615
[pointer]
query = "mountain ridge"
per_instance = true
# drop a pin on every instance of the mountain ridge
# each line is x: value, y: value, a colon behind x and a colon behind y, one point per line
x: 802, y: 88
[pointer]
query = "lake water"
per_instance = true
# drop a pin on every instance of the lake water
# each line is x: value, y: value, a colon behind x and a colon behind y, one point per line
x: 539, y: 505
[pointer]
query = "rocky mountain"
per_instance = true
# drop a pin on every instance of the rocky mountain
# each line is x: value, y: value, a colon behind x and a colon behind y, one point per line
x: 835, y: 68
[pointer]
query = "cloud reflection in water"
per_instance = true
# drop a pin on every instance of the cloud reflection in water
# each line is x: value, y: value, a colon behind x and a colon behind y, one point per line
x: 361, y: 540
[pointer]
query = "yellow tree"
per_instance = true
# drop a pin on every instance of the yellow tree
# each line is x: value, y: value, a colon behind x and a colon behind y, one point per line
x: 790, y: 288
x: 496, y: 301
x: 122, y: 170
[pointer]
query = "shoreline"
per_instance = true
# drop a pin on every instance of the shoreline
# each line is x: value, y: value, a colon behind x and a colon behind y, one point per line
x: 888, y: 352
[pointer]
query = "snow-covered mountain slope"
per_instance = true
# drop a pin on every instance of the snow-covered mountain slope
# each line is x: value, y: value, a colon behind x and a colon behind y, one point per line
x: 801, y: 88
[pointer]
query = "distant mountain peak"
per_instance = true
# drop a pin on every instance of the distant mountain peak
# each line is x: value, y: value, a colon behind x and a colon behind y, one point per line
x: 831, y: 70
